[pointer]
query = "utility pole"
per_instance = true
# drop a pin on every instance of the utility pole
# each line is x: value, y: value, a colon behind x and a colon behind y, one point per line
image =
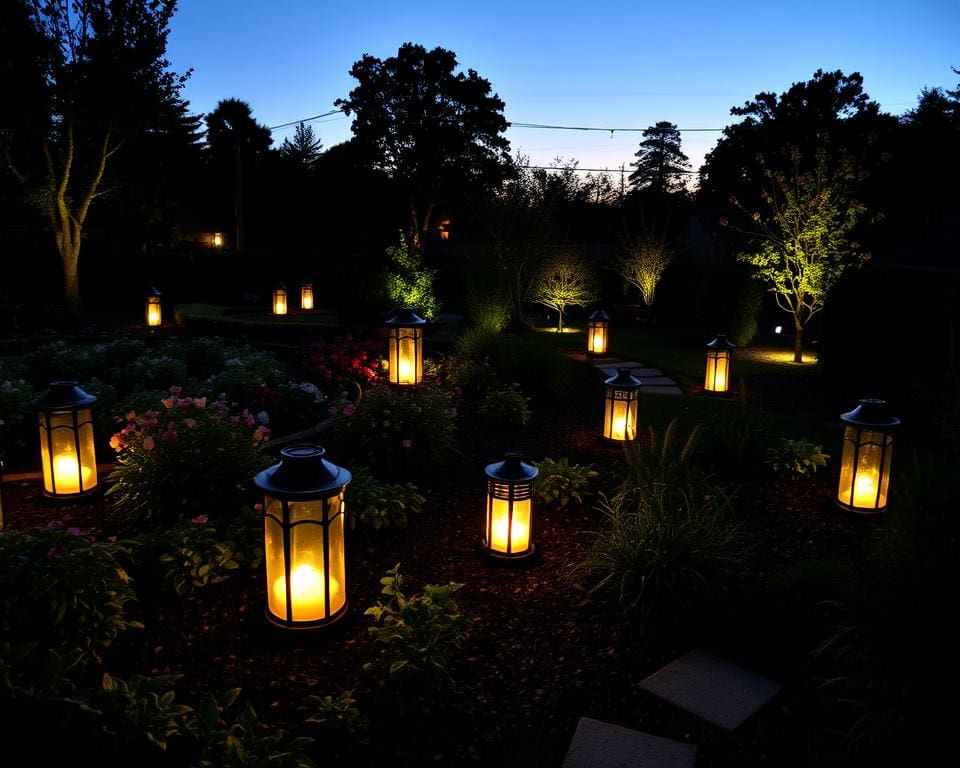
x: 622, y: 165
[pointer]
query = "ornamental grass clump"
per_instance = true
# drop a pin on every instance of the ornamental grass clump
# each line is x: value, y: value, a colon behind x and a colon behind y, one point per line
x: 188, y: 457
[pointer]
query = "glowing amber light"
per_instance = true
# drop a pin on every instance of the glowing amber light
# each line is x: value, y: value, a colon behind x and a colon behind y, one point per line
x: 866, y: 457
x: 303, y: 525
x: 217, y: 239
x: 719, y: 351
x: 152, y: 308
x: 279, y: 299
x: 67, y: 477
x: 405, y: 348
x: 306, y: 296
x: 306, y: 593
x: 508, y: 523
x: 621, y: 400
x: 597, y: 327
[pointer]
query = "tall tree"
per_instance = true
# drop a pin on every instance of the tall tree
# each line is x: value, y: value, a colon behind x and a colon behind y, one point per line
x: 437, y: 131
x: 660, y: 165
x: 235, y: 140
x: 804, y: 240
x: 565, y: 279
x: 89, y: 75
x: 303, y: 150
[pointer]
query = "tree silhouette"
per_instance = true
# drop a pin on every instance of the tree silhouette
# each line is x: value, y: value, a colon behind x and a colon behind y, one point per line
x: 80, y: 79
x: 235, y: 141
x: 437, y: 131
x: 565, y: 279
x: 304, y: 149
x: 660, y: 165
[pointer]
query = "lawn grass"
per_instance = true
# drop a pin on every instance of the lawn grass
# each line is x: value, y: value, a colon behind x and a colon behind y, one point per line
x: 207, y: 317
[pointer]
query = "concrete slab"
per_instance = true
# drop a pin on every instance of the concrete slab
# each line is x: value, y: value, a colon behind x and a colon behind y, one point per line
x: 662, y: 390
x: 596, y: 744
x: 719, y: 691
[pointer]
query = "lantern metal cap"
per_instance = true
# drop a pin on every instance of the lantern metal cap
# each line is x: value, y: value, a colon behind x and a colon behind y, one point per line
x: 64, y: 394
x: 307, y: 284
x: 405, y: 316
x: 721, y: 342
x: 623, y: 379
x: 871, y: 412
x: 152, y: 291
x: 599, y: 316
x: 302, y: 472
x: 280, y: 286
x: 513, y: 469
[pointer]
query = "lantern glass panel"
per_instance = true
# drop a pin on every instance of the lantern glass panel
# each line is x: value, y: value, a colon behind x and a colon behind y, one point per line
x: 306, y: 297
x: 406, y: 365
x: 153, y: 311
x: 865, y: 468
x: 620, y: 418
x: 597, y: 337
x: 67, y: 451
x: 508, y: 522
x: 279, y: 302
x: 718, y: 369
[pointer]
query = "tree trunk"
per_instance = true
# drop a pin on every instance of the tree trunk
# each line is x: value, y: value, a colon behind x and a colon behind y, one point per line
x: 798, y: 343
x: 66, y: 232
x: 560, y: 321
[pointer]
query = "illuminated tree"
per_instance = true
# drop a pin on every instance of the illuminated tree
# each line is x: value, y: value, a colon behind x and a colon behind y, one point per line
x: 80, y: 78
x: 408, y: 282
x: 804, y: 240
x: 643, y: 262
x: 565, y: 279
x: 660, y: 165
x: 436, y: 131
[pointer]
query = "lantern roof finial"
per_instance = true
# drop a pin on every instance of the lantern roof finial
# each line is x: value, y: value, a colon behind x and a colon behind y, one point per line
x: 405, y: 316
x: 721, y: 342
x: 624, y: 379
x: 871, y: 412
x: 302, y: 471
x: 64, y: 394
x: 512, y: 469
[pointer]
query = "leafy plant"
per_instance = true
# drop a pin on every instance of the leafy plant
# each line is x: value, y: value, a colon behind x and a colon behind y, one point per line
x: 16, y: 398
x: 187, y: 458
x: 397, y: 432
x: 64, y: 602
x: 560, y: 483
x: 194, y: 553
x: 505, y: 406
x: 338, y: 716
x: 796, y: 458
x: 407, y: 282
x: 737, y: 438
x: 381, y: 505
x: 418, y: 637
x: 665, y: 460
x: 663, y: 552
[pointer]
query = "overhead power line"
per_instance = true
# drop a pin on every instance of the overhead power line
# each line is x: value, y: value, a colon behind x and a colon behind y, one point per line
x: 304, y: 120
x: 606, y: 130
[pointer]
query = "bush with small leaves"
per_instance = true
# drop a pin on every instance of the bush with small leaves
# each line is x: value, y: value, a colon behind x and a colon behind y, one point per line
x: 505, y: 406
x: 338, y: 716
x: 561, y: 484
x: 418, y: 637
x: 796, y: 458
x: 377, y: 505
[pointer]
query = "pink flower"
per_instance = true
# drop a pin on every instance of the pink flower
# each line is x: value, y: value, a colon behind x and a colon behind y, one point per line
x: 200, y: 402
x: 723, y: 221
x: 258, y: 507
x: 349, y: 409
x: 406, y: 443
x: 115, y: 442
x: 132, y: 416
x: 190, y: 423
x: 200, y: 519
x: 167, y: 402
x: 170, y: 436
x: 148, y: 444
x: 332, y: 410
x: 175, y: 390
x: 386, y: 423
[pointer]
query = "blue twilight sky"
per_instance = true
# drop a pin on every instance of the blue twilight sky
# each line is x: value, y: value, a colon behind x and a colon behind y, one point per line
x: 606, y: 63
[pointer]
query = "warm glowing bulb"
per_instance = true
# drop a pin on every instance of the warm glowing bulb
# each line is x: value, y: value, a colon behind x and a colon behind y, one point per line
x: 621, y: 425
x: 66, y: 477
x: 865, y: 490
x: 306, y: 299
x: 596, y: 343
x: 153, y: 315
x: 519, y: 527
x: 306, y: 592
x: 280, y: 305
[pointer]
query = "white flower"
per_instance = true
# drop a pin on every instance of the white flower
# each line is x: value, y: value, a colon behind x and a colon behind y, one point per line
x: 263, y: 417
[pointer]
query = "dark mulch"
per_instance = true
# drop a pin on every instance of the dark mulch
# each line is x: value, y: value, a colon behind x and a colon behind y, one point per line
x: 539, y: 654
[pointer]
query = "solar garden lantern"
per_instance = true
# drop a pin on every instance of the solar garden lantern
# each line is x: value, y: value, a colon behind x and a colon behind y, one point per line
x: 306, y: 296
x: 280, y: 299
x: 598, y: 327
x: 620, y: 406
x: 405, y: 347
x: 151, y: 308
x: 217, y: 240
x: 303, y: 529
x: 866, y: 457
x: 719, y: 352
x: 508, y: 526
x: 67, y: 452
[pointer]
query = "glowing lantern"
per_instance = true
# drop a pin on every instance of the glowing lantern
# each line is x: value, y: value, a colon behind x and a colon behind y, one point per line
x: 154, y: 316
x: 303, y: 527
x: 279, y: 299
x: 867, y: 454
x: 217, y: 240
x: 718, y: 365
x: 620, y: 406
x: 508, y: 530
x: 67, y: 453
x: 306, y: 296
x: 598, y: 325
x: 405, y: 347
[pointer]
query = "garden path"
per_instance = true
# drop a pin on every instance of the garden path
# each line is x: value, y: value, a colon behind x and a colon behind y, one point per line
x: 653, y: 380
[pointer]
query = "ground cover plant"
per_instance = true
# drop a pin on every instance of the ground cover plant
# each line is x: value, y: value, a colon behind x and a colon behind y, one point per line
x: 642, y: 553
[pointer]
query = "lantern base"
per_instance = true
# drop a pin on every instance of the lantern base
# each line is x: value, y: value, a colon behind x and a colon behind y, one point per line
x: 717, y: 393
x: 72, y: 498
x: 861, y: 510
x: 319, y: 624
x: 502, y: 557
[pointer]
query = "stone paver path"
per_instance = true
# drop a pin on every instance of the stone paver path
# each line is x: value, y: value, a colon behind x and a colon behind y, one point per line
x: 596, y: 744
x: 653, y: 381
x: 717, y: 690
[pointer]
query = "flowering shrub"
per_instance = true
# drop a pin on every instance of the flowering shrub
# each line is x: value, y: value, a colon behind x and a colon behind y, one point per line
x: 397, y: 432
x: 189, y: 457
x: 246, y: 370
x: 64, y: 599
x: 333, y: 365
x: 287, y: 408
x: 16, y: 397
x: 505, y: 406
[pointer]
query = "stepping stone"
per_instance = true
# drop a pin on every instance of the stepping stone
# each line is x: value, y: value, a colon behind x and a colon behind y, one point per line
x: 719, y: 691
x: 671, y: 389
x: 596, y: 744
